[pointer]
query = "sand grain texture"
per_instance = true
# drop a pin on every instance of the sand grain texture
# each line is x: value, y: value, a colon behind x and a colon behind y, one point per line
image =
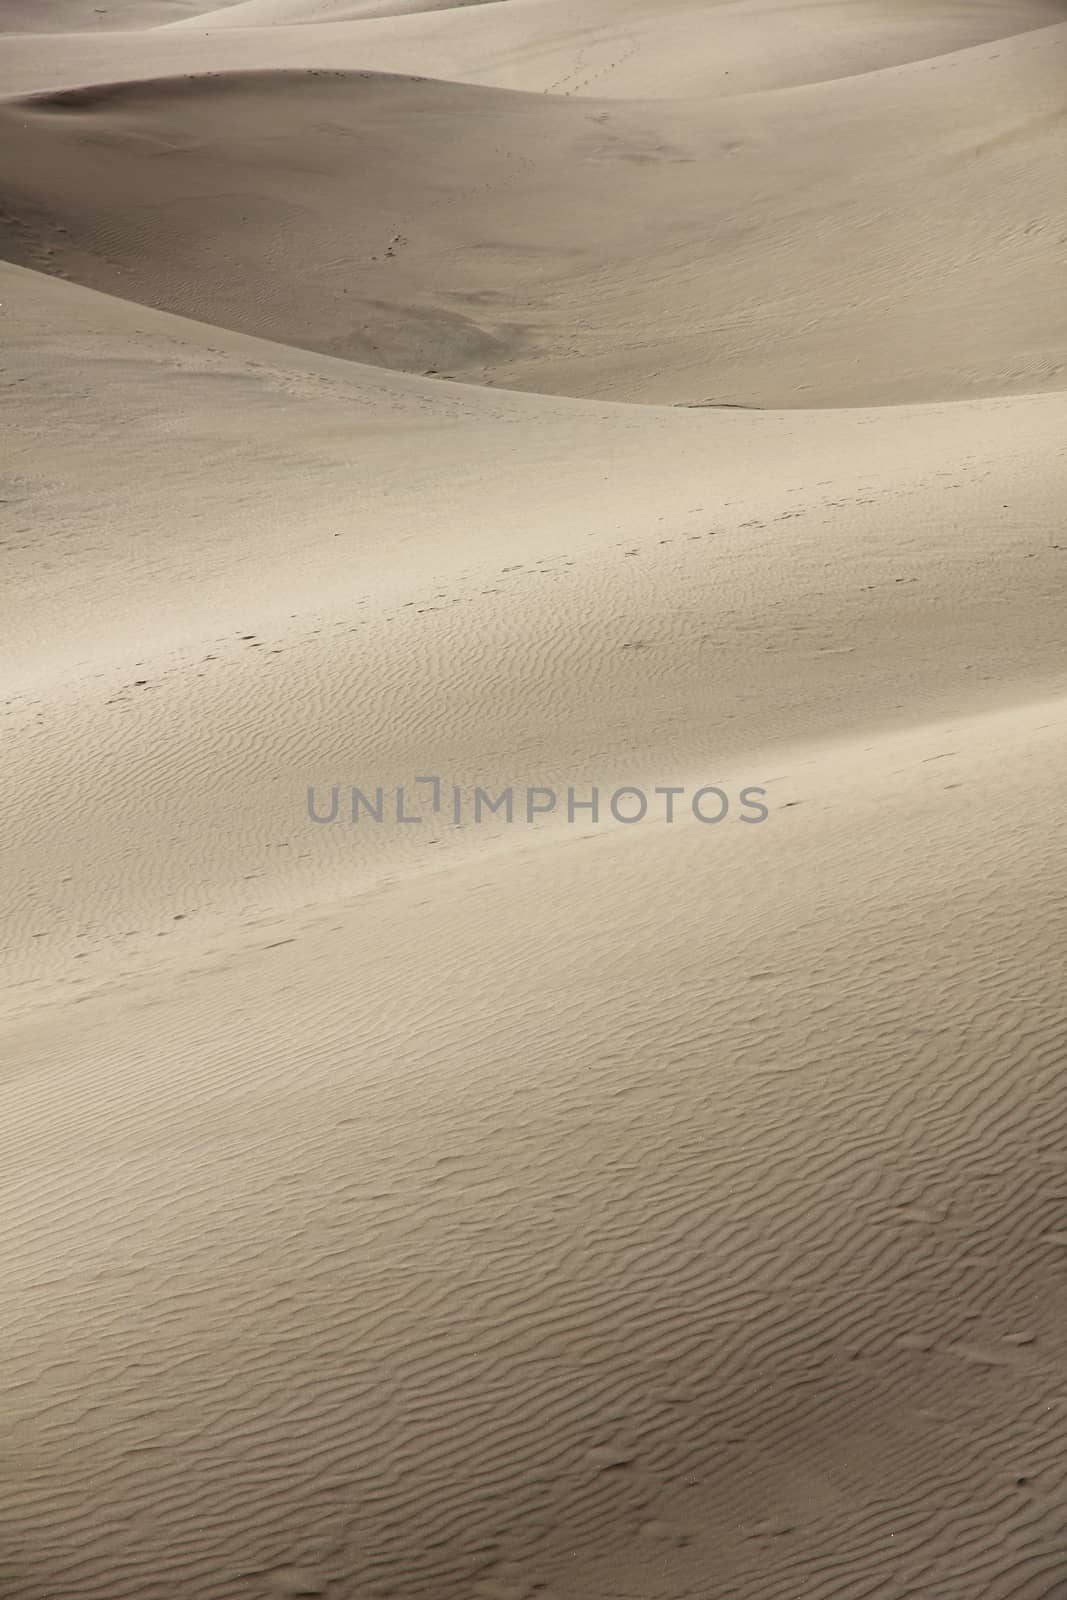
x: 582, y: 1211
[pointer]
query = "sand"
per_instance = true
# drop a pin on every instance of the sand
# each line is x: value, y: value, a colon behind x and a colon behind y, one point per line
x: 533, y: 397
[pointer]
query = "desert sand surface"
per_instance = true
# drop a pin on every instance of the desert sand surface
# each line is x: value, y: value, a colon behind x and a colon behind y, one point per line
x: 535, y: 398
x: 832, y: 245
x: 60, y: 17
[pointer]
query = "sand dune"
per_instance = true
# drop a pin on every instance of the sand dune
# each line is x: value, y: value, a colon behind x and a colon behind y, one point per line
x: 352, y: 1267
x: 511, y: 1357
x: 615, y: 251
x: 836, y: 573
x: 628, y: 48
x: 275, y: 13
x: 616, y: 48
x: 73, y: 16
x: 569, y: 1208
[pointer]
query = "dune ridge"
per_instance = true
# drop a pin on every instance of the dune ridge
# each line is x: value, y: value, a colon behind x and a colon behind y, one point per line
x: 617, y: 48
x: 505, y: 238
x: 576, y: 1209
x: 337, y: 597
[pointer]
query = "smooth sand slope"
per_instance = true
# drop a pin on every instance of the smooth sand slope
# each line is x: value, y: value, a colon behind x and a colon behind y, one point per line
x: 619, y: 1211
x: 74, y: 16
x: 630, y: 48
x: 839, y: 244
x: 389, y: 576
x: 616, y: 48
x: 584, y: 1211
x: 275, y: 13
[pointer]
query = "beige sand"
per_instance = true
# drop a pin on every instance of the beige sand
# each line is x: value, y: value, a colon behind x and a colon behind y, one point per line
x: 837, y: 245
x: 591, y: 1211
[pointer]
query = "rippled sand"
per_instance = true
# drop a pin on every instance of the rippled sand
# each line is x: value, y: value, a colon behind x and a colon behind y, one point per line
x: 537, y: 397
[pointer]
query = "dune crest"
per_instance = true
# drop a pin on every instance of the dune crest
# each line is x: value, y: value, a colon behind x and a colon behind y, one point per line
x: 612, y: 251
x: 655, y: 1188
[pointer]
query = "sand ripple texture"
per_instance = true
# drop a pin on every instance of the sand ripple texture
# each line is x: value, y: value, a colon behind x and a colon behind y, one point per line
x: 533, y: 394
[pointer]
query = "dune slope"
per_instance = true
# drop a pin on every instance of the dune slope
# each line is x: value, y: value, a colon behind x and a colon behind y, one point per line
x: 860, y: 242
x: 65, y: 17
x: 640, y: 589
x: 355, y: 1263
x: 425, y: 1285
x: 546, y: 1204
x: 615, y: 48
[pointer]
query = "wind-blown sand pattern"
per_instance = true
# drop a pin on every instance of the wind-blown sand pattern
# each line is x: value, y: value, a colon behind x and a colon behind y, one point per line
x: 535, y: 394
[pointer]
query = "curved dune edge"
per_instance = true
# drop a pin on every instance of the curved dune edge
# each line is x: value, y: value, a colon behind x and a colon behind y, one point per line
x: 598, y: 48
x: 579, y: 1211
x: 640, y: 594
x: 286, y: 13
x: 51, y: 20
x: 549, y: 245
